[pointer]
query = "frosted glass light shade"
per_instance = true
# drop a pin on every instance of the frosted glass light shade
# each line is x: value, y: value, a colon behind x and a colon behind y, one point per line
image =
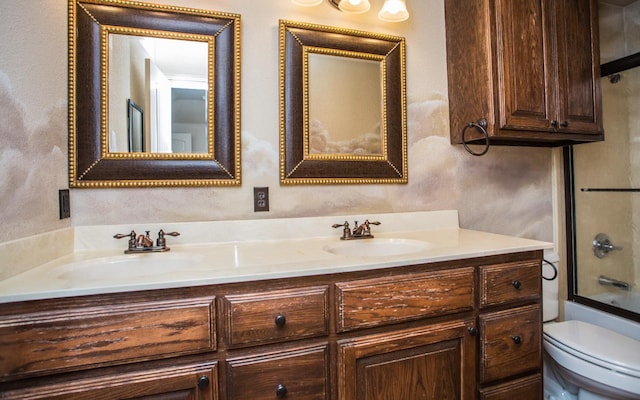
x: 354, y: 6
x: 394, y: 11
x: 306, y: 3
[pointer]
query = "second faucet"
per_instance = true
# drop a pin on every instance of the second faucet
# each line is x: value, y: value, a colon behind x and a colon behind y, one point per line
x: 362, y: 231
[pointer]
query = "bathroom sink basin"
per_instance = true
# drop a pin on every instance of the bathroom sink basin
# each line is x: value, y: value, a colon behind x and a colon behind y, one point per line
x: 132, y: 265
x: 377, y: 247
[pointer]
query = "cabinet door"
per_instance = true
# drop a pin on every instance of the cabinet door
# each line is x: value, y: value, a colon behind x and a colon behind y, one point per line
x: 525, y: 69
x: 578, y: 66
x: 179, y: 382
x: 427, y: 363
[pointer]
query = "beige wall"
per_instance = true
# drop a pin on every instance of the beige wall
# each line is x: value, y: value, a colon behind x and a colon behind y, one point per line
x: 507, y: 191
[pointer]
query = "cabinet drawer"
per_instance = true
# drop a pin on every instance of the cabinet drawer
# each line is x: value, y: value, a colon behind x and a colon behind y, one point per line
x: 380, y: 301
x: 529, y: 388
x: 179, y: 381
x: 294, y: 373
x: 93, y: 336
x: 504, y: 283
x: 510, y: 342
x: 265, y: 317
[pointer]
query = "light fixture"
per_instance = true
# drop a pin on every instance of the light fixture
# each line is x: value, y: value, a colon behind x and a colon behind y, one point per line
x: 307, y: 3
x: 351, y: 6
x: 394, y: 11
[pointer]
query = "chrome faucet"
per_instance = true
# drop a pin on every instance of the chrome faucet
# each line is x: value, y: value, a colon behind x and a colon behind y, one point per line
x: 362, y: 231
x: 144, y: 243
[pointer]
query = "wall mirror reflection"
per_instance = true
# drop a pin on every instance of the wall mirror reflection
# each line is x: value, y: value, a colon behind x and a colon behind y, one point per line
x: 136, y: 129
x: 345, y: 83
x: 181, y: 69
x: 343, y: 106
x: 167, y: 78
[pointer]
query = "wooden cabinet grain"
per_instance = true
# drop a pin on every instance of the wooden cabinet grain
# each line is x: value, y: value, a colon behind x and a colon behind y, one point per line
x: 291, y: 373
x: 442, y: 330
x: 510, y: 330
x: 381, y: 301
x: 530, y: 68
x: 432, y: 362
x: 72, y: 337
x: 276, y: 315
x: 177, y: 382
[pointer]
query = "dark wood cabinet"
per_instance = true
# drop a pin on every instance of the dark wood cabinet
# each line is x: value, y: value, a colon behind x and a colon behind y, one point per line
x: 510, y: 331
x: 528, y: 388
x: 289, y: 373
x: 197, y: 381
x: 455, y: 329
x: 530, y: 68
x: 432, y: 362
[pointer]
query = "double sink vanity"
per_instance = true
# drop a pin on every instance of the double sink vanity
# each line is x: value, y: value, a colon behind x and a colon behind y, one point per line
x: 280, y: 308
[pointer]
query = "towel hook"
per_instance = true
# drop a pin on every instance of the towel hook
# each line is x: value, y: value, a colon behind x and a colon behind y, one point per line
x: 481, y: 124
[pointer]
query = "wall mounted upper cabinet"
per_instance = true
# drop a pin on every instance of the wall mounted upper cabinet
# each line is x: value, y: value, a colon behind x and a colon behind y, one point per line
x: 530, y: 68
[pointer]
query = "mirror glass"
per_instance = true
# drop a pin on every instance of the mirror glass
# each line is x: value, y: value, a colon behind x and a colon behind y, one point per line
x: 153, y: 95
x: 342, y: 106
x: 336, y: 84
x: 167, y: 81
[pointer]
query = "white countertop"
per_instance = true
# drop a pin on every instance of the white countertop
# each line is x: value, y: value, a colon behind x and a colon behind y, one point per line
x: 292, y: 251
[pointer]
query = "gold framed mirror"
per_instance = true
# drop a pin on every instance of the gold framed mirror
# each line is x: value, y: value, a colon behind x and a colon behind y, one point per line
x: 342, y: 106
x: 187, y: 114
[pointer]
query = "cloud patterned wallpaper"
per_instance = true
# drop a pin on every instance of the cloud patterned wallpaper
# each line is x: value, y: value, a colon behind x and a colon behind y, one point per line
x: 507, y: 191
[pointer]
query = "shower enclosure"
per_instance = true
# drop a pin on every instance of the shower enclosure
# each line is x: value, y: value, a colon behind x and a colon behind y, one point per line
x: 603, y: 179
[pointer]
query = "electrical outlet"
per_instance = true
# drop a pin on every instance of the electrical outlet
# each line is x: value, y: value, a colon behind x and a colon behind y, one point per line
x: 260, y: 199
x: 64, y: 204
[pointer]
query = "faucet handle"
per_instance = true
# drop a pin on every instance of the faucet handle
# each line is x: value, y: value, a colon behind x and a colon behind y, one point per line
x: 162, y: 242
x: 374, y: 222
x: 346, y: 232
x: 131, y: 235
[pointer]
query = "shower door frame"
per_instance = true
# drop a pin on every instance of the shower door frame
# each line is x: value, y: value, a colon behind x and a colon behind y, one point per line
x: 610, y: 68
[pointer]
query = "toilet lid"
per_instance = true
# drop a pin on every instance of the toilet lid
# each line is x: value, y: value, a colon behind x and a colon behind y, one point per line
x: 591, y: 342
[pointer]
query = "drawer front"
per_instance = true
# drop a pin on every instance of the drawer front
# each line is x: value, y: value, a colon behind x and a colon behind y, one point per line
x: 504, y: 283
x: 529, y: 388
x: 87, y: 336
x: 266, y: 317
x: 510, y: 342
x: 381, y: 301
x: 182, y: 381
x: 294, y: 373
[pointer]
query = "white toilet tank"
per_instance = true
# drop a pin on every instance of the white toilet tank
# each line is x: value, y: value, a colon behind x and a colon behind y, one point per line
x: 550, y: 286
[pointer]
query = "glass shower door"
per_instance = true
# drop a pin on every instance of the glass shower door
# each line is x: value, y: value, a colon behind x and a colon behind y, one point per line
x: 606, y: 201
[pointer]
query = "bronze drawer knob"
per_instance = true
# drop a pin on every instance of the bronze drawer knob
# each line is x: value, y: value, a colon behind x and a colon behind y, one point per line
x: 281, y: 320
x: 203, y: 382
x: 516, y: 284
x: 281, y: 391
x: 517, y: 339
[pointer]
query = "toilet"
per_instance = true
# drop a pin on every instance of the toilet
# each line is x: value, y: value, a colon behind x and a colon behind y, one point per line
x: 584, y: 361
